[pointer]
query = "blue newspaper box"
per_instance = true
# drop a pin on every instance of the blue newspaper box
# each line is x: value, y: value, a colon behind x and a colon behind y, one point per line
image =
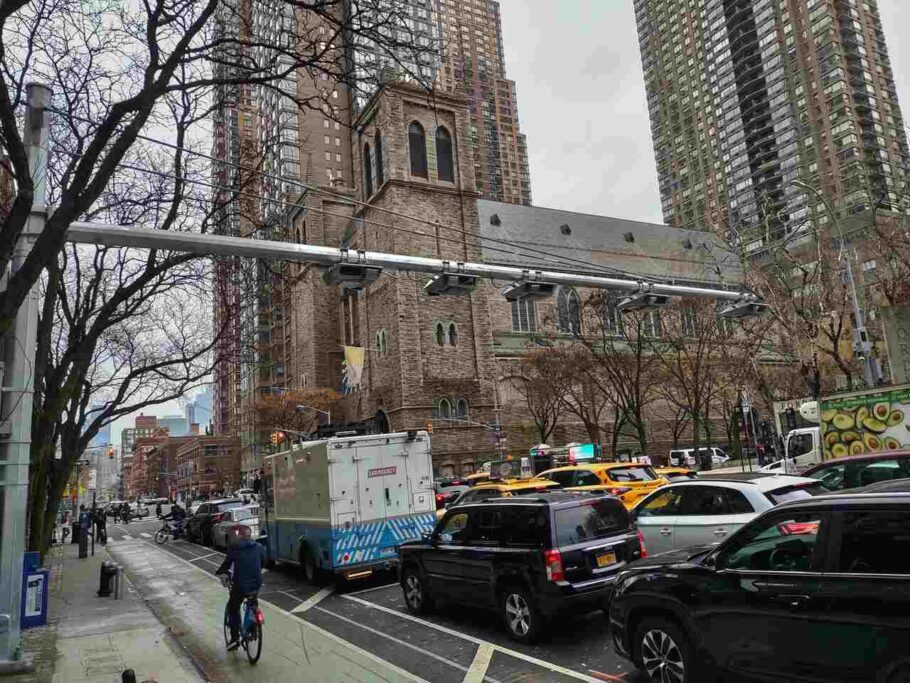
x: 34, y: 592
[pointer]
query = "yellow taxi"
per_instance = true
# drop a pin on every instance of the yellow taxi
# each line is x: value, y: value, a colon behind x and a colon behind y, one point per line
x: 673, y: 474
x: 501, y: 489
x: 630, y: 482
x: 476, y: 478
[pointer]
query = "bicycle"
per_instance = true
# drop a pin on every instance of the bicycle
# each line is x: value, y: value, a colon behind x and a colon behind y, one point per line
x: 168, y: 529
x: 252, y: 619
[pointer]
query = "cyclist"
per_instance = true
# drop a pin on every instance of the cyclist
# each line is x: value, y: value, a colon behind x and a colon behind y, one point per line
x: 247, y: 557
x: 177, y: 515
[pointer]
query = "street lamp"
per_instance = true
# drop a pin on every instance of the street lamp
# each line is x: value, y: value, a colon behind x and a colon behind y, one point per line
x: 328, y: 415
x: 496, y: 411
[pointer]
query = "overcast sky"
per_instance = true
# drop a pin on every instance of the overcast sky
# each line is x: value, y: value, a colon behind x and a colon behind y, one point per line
x: 581, y: 101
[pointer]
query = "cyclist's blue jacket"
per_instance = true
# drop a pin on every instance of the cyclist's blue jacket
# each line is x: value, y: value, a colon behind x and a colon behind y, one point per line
x: 247, y: 558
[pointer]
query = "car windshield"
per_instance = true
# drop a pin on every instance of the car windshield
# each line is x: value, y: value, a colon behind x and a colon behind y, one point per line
x: 229, y: 505
x: 595, y: 519
x: 638, y: 473
x: 244, y: 513
x: 799, y: 492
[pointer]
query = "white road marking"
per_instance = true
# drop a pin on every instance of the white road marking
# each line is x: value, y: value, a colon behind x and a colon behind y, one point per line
x: 411, y: 646
x: 477, y: 641
x: 127, y: 537
x: 313, y: 600
x: 205, y: 557
x: 374, y: 588
x: 478, y: 670
x: 144, y: 535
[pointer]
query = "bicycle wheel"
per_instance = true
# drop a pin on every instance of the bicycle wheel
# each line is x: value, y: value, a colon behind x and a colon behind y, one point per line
x: 227, y: 627
x: 161, y: 536
x: 253, y: 643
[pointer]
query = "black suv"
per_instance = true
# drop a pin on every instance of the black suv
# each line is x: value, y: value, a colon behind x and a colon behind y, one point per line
x: 527, y: 557
x: 199, y: 526
x: 844, y: 474
x: 814, y: 590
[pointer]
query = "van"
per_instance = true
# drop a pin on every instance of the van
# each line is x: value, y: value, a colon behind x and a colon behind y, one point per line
x: 685, y: 457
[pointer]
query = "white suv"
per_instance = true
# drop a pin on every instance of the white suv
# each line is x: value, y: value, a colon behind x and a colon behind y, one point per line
x: 708, y: 510
x: 685, y: 457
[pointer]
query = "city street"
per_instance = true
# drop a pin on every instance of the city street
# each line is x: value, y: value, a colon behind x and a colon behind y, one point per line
x: 451, y: 645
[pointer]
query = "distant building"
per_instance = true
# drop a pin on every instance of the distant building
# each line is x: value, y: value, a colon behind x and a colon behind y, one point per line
x: 207, y: 464
x: 145, y: 425
x: 176, y: 425
x: 199, y: 410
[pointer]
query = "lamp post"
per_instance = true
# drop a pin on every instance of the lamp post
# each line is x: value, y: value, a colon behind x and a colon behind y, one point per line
x: 497, y: 411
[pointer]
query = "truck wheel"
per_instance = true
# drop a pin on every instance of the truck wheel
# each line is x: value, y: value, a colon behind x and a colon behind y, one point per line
x: 416, y: 596
x: 313, y: 574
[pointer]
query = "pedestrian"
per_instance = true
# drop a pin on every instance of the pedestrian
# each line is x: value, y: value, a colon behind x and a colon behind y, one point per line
x: 158, y: 509
x: 101, y: 527
x: 125, y: 513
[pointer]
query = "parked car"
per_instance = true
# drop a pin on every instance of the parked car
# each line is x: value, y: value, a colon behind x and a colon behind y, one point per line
x: 629, y: 481
x: 685, y: 457
x: 112, y: 505
x: 500, y: 489
x: 708, y: 510
x: 895, y: 486
x: 224, y: 530
x: 139, y: 509
x: 798, y: 594
x: 526, y: 557
x: 447, y: 490
x: 245, y: 494
x: 199, y: 524
x: 853, y: 472
x: 193, y: 507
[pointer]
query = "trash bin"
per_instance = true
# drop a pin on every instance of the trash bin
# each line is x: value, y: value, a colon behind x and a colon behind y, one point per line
x: 34, y: 592
x: 106, y: 579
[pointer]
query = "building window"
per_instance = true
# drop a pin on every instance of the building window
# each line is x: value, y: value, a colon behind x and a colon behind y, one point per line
x: 688, y: 323
x: 445, y: 163
x: 652, y: 325
x: 461, y: 409
x: 524, y: 316
x: 612, y: 315
x: 377, y: 151
x: 440, y: 335
x: 568, y: 311
x: 367, y: 170
x: 442, y: 410
x: 382, y: 342
x: 453, y: 335
x: 418, y: 145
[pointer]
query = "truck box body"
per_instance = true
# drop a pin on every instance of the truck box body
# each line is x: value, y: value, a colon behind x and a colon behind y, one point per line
x: 349, y: 501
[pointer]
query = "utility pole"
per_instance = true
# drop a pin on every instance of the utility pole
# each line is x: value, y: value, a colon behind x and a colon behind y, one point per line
x: 17, y: 389
x: 862, y: 344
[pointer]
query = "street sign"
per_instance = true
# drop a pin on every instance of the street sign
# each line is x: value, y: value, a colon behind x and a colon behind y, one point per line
x: 92, y: 479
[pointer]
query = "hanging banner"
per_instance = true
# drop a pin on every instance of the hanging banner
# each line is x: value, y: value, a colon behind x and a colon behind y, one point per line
x: 896, y: 320
x: 353, y: 367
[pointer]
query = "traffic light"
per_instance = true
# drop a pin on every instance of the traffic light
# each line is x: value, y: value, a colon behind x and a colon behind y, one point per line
x: 110, y: 453
x: 281, y: 436
x: 429, y: 426
x: 274, y: 438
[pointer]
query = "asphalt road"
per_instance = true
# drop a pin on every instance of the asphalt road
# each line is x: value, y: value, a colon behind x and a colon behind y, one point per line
x: 444, y: 646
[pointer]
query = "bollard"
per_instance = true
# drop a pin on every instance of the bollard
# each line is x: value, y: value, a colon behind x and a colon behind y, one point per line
x: 119, y: 583
x: 83, y: 544
x: 128, y: 676
x: 106, y: 579
x: 75, y: 534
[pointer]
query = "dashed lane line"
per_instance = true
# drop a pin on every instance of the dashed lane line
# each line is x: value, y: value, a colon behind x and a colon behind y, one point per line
x: 144, y: 535
x: 477, y: 672
x: 402, y: 643
x: 313, y: 600
x: 550, y: 666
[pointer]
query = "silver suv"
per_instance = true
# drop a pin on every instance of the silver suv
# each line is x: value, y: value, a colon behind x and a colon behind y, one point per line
x: 708, y: 510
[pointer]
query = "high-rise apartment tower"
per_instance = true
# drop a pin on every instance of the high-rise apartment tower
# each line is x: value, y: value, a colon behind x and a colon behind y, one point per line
x: 762, y: 110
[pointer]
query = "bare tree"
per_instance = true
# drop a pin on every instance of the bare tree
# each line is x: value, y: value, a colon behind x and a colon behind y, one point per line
x: 539, y: 383
x: 119, y: 70
x: 277, y: 411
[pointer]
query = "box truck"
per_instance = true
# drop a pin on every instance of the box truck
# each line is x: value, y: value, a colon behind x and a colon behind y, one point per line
x: 852, y: 423
x: 342, y: 505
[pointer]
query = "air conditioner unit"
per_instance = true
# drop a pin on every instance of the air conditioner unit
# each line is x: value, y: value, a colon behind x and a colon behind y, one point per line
x: 451, y: 284
x: 351, y: 276
x: 743, y: 309
x: 528, y: 290
x: 642, y: 301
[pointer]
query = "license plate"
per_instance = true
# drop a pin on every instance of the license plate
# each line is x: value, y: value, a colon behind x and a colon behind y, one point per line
x: 606, y: 559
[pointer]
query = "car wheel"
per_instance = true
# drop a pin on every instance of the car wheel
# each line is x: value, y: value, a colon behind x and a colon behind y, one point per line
x: 663, y: 652
x: 415, y: 592
x: 520, y: 614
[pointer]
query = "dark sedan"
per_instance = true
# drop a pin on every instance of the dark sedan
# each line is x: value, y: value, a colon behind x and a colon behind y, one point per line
x: 199, y: 525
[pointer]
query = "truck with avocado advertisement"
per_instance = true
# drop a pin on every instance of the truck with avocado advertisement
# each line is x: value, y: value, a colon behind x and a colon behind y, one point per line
x: 854, y: 423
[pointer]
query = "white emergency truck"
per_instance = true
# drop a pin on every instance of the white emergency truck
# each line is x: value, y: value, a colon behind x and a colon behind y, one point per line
x: 343, y: 505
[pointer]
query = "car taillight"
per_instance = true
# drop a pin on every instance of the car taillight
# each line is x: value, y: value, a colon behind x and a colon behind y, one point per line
x: 440, y: 497
x: 260, y: 616
x: 553, y: 560
x: 641, y: 543
x: 618, y: 490
x: 217, y: 518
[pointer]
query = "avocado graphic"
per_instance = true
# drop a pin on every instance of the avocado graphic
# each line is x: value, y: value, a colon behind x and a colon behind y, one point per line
x: 881, y: 411
x: 857, y: 448
x: 839, y: 450
x: 891, y: 444
x: 850, y: 437
x: 828, y: 415
x: 843, y: 421
x: 895, y: 418
x: 861, y: 414
x: 832, y: 438
x: 873, y: 425
x: 873, y: 443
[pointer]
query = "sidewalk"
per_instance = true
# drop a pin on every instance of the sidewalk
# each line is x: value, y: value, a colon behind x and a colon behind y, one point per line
x: 93, y: 640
